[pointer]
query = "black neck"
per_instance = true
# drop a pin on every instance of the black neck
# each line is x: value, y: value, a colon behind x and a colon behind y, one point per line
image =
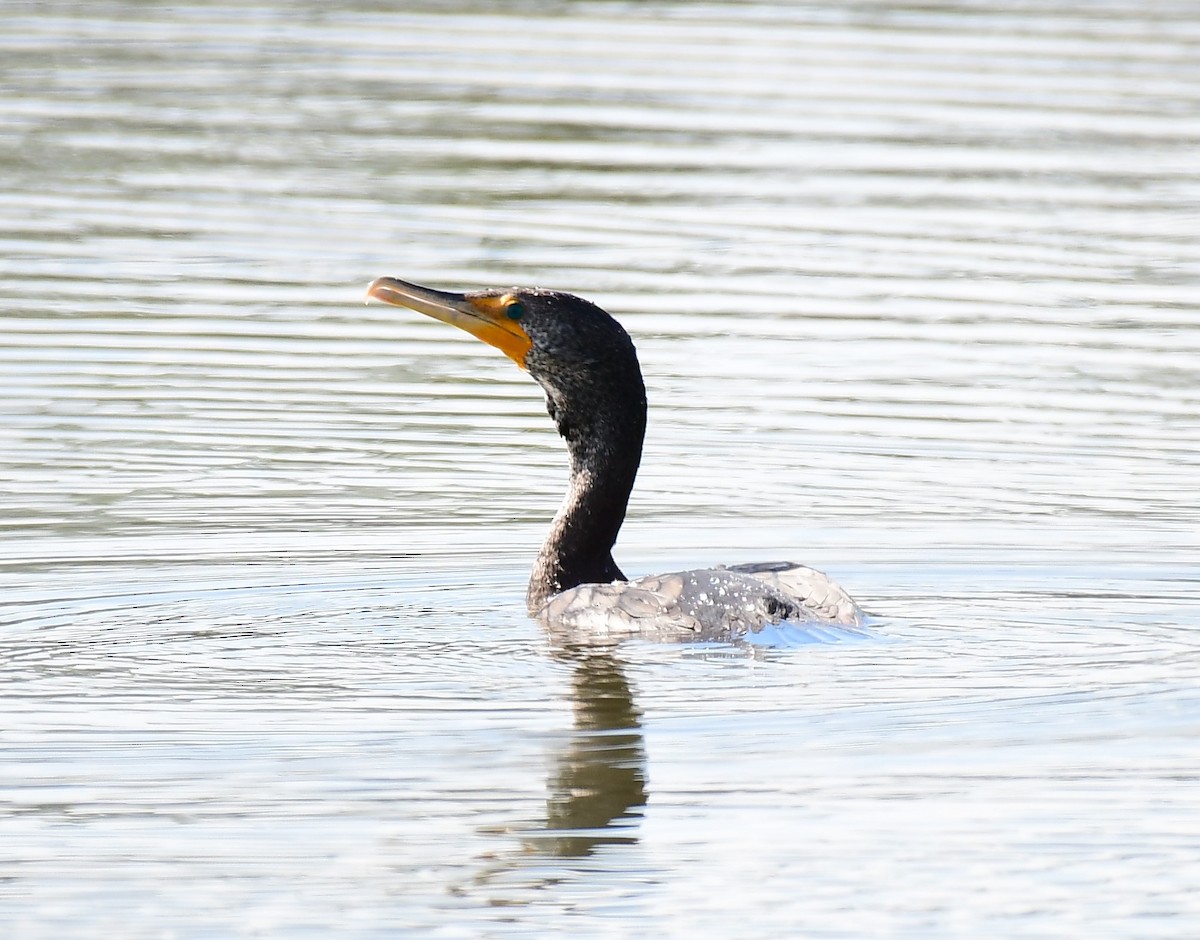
x: 605, y: 444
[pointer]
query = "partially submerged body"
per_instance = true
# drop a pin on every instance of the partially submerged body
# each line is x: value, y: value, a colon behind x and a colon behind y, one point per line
x: 703, y: 604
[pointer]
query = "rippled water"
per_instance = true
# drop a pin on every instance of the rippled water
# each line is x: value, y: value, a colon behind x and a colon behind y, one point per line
x: 915, y: 289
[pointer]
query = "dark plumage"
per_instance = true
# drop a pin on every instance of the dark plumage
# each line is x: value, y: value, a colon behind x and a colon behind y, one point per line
x: 587, y: 365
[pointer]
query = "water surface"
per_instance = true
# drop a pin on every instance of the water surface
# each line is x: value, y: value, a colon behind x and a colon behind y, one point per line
x: 915, y: 291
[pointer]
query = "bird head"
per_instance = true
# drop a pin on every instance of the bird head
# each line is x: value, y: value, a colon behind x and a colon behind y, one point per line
x: 577, y: 352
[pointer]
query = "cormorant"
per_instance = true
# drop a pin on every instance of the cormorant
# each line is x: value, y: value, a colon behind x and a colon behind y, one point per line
x: 588, y: 367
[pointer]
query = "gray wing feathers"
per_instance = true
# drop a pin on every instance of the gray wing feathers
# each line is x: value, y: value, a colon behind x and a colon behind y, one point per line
x: 814, y: 589
x: 710, y: 603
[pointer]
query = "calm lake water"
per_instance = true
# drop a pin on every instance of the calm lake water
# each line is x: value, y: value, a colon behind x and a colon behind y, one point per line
x: 916, y: 292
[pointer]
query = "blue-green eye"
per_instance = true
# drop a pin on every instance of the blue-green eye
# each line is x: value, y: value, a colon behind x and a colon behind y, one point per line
x: 515, y: 310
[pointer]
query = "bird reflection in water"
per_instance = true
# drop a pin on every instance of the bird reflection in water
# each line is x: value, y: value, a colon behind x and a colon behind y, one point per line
x: 597, y: 788
x: 595, y: 785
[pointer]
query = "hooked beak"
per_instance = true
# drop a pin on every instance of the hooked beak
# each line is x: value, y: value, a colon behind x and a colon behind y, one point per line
x: 481, y: 315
